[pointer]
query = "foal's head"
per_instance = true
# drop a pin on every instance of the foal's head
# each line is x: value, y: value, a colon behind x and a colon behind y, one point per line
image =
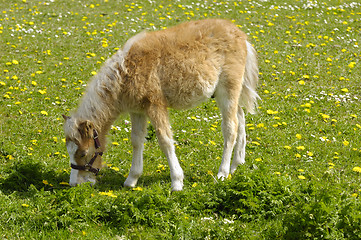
x: 81, y: 144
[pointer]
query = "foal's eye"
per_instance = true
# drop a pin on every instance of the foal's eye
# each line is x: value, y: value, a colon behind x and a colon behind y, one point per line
x: 82, y: 154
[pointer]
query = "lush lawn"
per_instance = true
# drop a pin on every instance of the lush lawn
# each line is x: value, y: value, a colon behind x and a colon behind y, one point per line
x: 302, y: 174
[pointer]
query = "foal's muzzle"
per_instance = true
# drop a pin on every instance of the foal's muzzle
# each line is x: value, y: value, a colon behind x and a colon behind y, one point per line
x: 89, y: 166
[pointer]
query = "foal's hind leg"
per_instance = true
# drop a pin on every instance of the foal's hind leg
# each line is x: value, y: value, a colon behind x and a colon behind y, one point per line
x: 240, y: 148
x: 158, y: 115
x: 139, y: 131
x: 228, y: 105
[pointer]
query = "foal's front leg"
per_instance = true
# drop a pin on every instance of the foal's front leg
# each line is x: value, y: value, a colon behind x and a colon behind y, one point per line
x: 159, y: 117
x: 139, y: 131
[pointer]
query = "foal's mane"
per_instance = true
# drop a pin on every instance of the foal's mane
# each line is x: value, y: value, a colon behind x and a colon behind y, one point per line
x: 96, y: 104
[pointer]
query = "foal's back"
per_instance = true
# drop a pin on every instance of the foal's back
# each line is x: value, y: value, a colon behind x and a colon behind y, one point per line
x: 183, y: 65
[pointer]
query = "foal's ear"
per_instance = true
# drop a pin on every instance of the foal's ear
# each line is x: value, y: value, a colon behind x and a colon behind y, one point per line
x: 65, y: 117
x: 86, y: 129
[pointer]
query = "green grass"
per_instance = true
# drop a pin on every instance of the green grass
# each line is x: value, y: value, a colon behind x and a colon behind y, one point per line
x: 300, y: 180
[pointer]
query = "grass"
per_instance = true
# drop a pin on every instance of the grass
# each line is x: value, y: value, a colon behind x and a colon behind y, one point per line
x: 302, y: 173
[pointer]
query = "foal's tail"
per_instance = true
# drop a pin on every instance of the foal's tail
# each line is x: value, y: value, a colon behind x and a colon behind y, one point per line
x: 249, y: 95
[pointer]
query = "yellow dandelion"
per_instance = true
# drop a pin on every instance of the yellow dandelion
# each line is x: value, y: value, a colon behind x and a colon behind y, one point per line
x: 301, y: 177
x: 306, y: 76
x: 271, y: 112
x: 357, y: 169
x: 109, y: 194
x: 115, y: 169
x: 352, y: 65
x: 325, y: 116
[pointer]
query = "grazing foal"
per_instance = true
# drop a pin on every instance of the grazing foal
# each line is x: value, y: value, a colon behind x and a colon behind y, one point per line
x: 178, y: 68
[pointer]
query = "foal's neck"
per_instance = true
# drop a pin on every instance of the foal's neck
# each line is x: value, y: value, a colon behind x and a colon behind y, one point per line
x: 99, y: 102
x: 100, y: 115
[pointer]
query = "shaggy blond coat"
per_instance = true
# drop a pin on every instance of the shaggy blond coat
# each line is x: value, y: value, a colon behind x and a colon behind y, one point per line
x: 179, y: 68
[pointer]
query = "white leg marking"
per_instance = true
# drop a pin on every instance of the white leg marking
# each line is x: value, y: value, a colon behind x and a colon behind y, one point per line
x: 176, y: 172
x: 240, y: 148
x: 159, y: 118
x: 228, y: 108
x: 139, y: 131
x: 229, y: 135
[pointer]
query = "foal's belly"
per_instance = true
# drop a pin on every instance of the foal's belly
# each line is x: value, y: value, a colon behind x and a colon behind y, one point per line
x: 189, y: 93
x: 189, y: 81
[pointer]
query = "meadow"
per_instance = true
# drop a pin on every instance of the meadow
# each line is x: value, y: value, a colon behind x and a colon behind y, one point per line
x: 301, y: 179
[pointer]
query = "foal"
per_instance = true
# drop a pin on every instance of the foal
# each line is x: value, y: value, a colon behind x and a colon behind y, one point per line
x: 178, y: 68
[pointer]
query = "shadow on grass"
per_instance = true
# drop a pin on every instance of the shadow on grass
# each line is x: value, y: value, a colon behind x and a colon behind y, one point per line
x: 109, y: 180
x: 161, y: 178
x: 21, y: 175
x: 113, y: 180
x: 18, y: 177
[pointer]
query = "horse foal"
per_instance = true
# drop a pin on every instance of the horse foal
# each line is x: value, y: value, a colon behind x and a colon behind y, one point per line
x: 178, y: 68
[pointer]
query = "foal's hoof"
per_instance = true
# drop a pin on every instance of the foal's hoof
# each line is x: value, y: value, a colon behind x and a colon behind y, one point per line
x: 177, y: 186
x: 130, y: 183
x: 222, y: 176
